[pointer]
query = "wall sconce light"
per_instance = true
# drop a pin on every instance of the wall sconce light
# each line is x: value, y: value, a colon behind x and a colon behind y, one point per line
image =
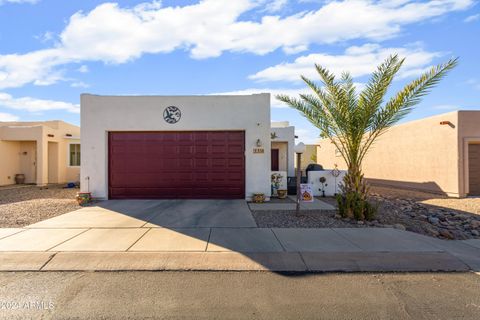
x: 258, y: 143
x: 447, y: 123
x: 68, y: 135
x: 50, y: 135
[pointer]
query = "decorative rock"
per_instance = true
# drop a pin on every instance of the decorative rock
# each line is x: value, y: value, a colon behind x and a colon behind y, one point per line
x: 360, y: 222
x: 459, y: 235
x: 446, y: 234
x: 399, y: 226
x: 475, y: 233
x: 474, y: 224
x: 433, y: 220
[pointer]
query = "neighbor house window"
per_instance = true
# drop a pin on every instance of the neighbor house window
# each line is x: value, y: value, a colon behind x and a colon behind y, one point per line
x: 74, y: 155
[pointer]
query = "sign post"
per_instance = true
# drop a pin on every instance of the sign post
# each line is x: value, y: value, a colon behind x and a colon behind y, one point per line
x: 299, y: 149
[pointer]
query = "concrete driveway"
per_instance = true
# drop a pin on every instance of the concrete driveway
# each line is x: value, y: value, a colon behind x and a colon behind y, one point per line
x: 216, y: 235
x: 156, y: 213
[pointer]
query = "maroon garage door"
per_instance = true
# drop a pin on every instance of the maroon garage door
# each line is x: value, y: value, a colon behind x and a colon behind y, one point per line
x: 188, y: 165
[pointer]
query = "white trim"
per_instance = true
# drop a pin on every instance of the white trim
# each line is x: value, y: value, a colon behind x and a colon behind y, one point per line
x: 68, y: 154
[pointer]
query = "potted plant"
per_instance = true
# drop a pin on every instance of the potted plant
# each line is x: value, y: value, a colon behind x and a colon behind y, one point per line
x: 19, y: 178
x: 282, y: 193
x: 258, y: 197
x: 276, y: 181
x: 84, y: 198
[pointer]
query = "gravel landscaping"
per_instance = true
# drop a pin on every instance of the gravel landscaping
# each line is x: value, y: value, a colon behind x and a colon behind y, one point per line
x: 24, y: 205
x: 419, y: 212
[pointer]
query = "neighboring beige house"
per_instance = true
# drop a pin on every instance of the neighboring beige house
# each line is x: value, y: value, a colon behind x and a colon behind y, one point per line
x: 439, y: 154
x: 45, y: 152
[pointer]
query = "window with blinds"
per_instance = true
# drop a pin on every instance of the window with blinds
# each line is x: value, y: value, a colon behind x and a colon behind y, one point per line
x: 74, y: 155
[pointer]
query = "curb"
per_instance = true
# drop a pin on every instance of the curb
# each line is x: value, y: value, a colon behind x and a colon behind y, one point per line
x: 233, y: 261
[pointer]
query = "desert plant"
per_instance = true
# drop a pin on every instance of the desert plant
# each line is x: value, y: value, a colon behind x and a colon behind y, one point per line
x: 352, y: 121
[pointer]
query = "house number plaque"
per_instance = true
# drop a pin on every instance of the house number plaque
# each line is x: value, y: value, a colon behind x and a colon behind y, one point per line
x: 258, y: 150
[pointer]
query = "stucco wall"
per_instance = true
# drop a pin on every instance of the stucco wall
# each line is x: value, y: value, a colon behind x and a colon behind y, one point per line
x: 101, y: 114
x: 33, y: 138
x: 9, y: 165
x: 420, y: 155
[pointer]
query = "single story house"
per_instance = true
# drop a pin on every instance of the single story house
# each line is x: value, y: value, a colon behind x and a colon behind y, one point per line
x: 44, y: 152
x: 439, y: 154
x: 191, y: 147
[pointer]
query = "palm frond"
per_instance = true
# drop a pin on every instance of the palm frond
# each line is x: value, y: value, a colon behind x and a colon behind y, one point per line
x: 404, y: 101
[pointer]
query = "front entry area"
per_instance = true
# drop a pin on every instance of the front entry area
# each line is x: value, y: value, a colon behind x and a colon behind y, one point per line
x: 177, y: 165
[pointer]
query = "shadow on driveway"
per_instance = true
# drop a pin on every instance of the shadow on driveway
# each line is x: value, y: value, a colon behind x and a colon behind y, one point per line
x: 220, y: 235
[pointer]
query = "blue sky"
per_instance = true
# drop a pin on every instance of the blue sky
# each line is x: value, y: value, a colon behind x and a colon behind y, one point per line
x: 51, y: 51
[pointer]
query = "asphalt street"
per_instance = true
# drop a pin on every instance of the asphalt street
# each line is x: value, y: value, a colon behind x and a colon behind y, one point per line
x: 238, y: 295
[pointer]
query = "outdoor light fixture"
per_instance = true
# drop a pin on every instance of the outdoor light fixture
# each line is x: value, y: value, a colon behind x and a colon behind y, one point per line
x: 447, y: 123
x: 50, y: 135
x: 258, y: 143
x: 300, y: 148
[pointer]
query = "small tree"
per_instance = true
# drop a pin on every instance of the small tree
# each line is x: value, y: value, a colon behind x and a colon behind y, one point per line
x: 352, y: 122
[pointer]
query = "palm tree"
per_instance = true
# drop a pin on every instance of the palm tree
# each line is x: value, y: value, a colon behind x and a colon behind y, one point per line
x: 352, y: 121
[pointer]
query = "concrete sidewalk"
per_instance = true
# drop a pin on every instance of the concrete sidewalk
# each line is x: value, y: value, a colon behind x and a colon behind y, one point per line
x: 277, y: 249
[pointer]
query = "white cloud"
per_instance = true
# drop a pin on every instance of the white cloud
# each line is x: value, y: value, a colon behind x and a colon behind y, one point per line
x: 18, y: 1
x: 46, y: 37
x: 358, y: 60
x: 79, y: 84
x: 472, y: 18
x: 475, y: 83
x: 275, y: 5
x: 307, y: 136
x: 36, y: 105
x: 83, y: 69
x: 294, y: 92
x: 114, y: 34
x: 7, y: 117
x: 274, y: 103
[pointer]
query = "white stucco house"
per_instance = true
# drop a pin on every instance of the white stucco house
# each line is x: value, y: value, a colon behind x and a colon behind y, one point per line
x: 192, y: 147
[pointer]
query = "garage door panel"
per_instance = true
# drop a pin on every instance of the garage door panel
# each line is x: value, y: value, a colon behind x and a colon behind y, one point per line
x: 188, y: 165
